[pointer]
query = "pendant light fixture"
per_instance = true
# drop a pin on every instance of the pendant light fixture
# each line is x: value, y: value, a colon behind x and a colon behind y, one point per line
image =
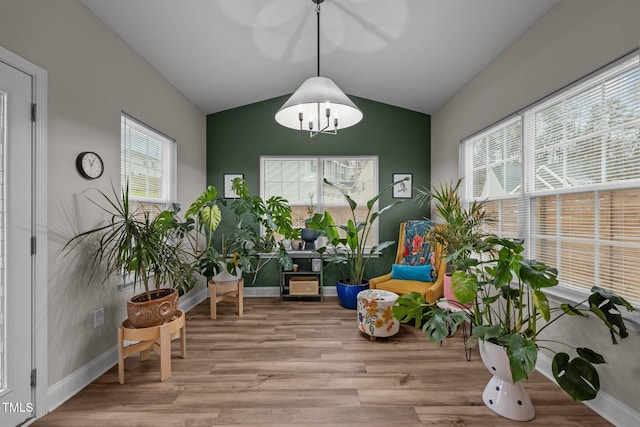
x: 318, y: 106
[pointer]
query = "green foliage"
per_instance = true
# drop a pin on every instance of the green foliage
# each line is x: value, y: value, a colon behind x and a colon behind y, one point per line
x: 508, y: 304
x: 208, y: 216
x: 257, y: 222
x: 522, y: 353
x: 134, y: 242
x: 578, y: 377
x: 348, y: 250
x: 412, y: 307
x: 462, y: 227
x: 441, y: 324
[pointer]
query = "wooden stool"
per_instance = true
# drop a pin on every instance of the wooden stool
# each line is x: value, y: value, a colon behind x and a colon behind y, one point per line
x: 229, y: 291
x: 156, y: 338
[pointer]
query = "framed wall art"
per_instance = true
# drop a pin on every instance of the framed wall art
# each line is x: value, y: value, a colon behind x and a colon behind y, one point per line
x: 403, y: 190
x: 228, y: 185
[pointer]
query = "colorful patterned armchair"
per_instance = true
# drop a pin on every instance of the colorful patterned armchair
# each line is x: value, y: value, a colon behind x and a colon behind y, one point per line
x: 414, y: 250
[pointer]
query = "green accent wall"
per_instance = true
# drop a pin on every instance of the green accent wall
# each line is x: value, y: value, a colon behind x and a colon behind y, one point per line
x: 400, y: 138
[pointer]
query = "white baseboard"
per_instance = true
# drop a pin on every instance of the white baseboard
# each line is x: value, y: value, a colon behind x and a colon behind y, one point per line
x: 261, y: 291
x: 192, y: 299
x: 67, y: 387
x: 604, y: 404
x: 274, y: 291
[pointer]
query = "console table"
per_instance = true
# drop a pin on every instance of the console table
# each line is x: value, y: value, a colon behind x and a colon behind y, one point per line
x: 306, y: 281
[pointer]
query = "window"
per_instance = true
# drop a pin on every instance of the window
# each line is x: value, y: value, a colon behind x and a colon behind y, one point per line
x: 578, y: 199
x: 147, y: 162
x: 495, y: 167
x: 300, y: 181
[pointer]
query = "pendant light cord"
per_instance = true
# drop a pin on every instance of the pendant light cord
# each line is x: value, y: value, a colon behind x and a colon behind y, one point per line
x: 318, y: 38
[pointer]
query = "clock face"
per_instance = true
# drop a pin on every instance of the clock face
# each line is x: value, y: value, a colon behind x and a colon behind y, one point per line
x: 89, y: 165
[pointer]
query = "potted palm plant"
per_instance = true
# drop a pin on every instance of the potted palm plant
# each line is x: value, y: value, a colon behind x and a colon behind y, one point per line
x: 348, y: 252
x: 149, y: 248
x: 509, y: 313
x: 461, y: 228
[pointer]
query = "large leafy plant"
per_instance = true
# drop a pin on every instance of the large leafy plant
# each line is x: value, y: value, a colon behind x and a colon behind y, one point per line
x: 348, y: 249
x: 509, y: 307
x: 257, y: 223
x: 149, y: 246
x: 206, y: 214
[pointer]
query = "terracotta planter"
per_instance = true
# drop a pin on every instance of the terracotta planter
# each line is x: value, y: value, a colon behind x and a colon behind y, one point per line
x: 501, y: 394
x: 448, y: 292
x: 143, y: 313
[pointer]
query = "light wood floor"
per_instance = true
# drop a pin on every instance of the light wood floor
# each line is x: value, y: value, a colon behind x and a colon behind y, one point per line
x: 304, y: 364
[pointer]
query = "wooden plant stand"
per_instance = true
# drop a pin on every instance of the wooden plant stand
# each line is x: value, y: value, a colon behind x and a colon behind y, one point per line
x: 156, y: 338
x: 226, y: 291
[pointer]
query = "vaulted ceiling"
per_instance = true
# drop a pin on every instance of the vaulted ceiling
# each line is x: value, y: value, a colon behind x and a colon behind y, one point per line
x: 413, y: 54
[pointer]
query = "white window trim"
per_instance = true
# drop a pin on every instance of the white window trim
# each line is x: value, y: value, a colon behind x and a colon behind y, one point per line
x: 319, y: 161
x: 170, y: 160
x: 563, y: 292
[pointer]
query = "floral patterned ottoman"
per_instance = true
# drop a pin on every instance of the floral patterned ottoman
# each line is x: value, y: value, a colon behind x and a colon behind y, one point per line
x: 375, y: 313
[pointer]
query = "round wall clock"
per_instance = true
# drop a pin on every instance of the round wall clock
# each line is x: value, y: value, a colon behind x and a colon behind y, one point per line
x: 89, y: 165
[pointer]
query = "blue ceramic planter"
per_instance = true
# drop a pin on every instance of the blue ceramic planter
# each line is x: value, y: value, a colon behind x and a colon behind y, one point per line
x: 309, y: 236
x: 347, y: 294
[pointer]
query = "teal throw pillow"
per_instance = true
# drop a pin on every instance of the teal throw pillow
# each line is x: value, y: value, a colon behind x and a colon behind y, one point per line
x: 420, y: 273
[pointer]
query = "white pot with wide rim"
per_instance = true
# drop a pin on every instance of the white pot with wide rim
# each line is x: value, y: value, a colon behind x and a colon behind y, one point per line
x: 225, y: 277
x: 502, y: 395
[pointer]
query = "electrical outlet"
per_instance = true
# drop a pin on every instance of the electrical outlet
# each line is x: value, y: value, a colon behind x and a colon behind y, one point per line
x: 98, y: 317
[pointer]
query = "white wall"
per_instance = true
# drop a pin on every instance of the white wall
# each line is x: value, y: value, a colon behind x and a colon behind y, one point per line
x: 93, y: 76
x: 575, y: 38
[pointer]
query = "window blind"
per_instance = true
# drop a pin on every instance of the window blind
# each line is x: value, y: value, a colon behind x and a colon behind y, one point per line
x: 578, y: 204
x: 147, y: 162
x: 300, y: 180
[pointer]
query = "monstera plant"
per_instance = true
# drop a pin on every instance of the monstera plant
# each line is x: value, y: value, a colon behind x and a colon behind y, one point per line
x: 509, y: 307
x: 206, y: 211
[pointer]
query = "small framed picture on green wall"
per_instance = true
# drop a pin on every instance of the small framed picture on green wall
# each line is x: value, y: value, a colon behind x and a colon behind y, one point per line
x: 403, y: 189
x: 228, y: 185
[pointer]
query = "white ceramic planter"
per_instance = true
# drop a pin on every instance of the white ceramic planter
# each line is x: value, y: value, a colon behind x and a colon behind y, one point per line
x: 225, y: 277
x: 501, y: 395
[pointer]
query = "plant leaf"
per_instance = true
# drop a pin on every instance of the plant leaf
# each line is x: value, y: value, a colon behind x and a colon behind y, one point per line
x: 538, y: 275
x: 380, y: 246
x: 572, y: 310
x: 604, y: 304
x: 577, y: 377
x: 211, y: 216
x: 486, y: 332
x: 615, y: 299
x: 542, y: 303
x: 207, y: 196
x: 411, y: 306
x: 590, y: 355
x: 522, y: 354
x: 442, y: 323
x: 465, y: 286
